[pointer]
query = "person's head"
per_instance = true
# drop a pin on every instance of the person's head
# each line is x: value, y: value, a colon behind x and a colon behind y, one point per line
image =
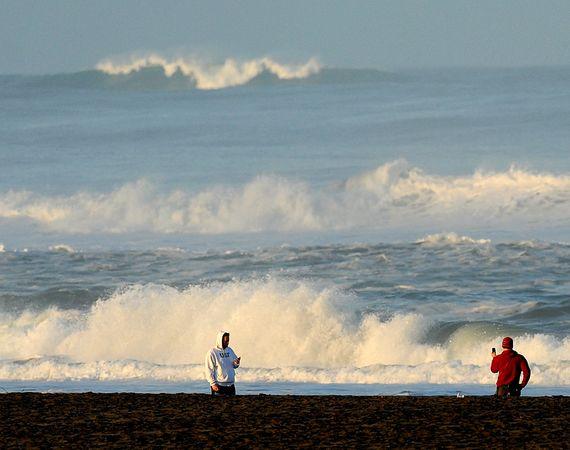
x: 508, y: 343
x: 225, y: 340
x: 222, y: 339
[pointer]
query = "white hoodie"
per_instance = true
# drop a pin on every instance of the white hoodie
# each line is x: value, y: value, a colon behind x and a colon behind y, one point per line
x: 220, y: 366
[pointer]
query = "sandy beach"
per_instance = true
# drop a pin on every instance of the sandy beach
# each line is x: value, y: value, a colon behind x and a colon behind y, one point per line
x: 196, y: 420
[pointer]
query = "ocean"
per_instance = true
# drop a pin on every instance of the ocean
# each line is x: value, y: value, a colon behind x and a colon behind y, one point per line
x: 357, y: 231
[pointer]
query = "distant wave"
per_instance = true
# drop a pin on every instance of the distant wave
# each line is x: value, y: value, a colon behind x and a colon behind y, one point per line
x: 394, y: 195
x: 230, y: 73
x: 155, y: 72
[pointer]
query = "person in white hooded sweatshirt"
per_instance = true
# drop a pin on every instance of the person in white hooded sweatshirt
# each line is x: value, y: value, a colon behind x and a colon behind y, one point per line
x: 221, y: 362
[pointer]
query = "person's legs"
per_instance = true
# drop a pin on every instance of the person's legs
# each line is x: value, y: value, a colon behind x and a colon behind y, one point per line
x: 509, y: 390
x: 228, y: 390
x: 502, y: 391
x: 225, y: 391
x: 514, y: 390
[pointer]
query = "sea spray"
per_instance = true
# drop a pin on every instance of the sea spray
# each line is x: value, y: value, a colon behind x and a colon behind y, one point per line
x: 392, y: 196
x: 132, y: 189
x: 285, y: 330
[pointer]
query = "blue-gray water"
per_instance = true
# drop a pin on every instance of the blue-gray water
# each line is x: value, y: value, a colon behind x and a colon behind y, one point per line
x: 350, y: 228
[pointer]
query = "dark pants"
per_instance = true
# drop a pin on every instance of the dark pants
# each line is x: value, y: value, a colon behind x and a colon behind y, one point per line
x: 225, y: 391
x: 508, y: 390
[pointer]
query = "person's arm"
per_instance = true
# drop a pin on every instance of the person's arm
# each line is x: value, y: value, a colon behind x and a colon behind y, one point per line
x: 211, y: 368
x: 235, y: 360
x: 495, y: 364
x: 525, y: 370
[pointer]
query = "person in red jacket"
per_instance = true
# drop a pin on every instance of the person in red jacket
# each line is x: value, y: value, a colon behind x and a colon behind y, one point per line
x: 509, y: 364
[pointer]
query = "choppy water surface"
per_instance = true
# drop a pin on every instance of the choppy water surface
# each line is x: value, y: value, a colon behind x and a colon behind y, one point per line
x: 356, y: 231
x: 422, y: 312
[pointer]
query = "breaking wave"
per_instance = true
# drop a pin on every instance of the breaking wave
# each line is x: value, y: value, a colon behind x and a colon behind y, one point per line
x: 451, y: 239
x: 230, y: 73
x: 394, y: 195
x: 156, y: 72
x: 62, y: 248
x: 316, y: 334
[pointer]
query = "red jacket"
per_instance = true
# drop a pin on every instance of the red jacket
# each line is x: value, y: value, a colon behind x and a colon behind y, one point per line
x: 510, y: 364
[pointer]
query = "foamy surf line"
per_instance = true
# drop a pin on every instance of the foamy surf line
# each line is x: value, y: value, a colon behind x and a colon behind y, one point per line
x: 317, y: 336
x: 451, y: 373
x: 392, y: 196
x: 286, y: 388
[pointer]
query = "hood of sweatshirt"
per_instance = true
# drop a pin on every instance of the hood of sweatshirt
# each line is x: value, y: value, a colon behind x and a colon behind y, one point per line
x: 219, y: 338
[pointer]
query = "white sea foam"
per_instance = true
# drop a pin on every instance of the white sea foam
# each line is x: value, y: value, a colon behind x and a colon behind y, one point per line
x: 451, y: 239
x: 2, y: 249
x: 285, y: 331
x: 212, y: 76
x: 452, y: 372
x: 392, y: 196
x: 63, y: 248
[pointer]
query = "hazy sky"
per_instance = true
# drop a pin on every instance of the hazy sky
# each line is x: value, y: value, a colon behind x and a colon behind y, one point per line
x: 41, y: 36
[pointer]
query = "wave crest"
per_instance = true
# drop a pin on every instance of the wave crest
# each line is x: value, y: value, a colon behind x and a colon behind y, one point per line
x: 230, y: 73
x: 392, y: 196
x: 451, y: 239
x: 316, y: 334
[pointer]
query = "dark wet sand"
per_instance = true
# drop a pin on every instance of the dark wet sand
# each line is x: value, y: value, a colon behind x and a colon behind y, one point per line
x: 195, y: 420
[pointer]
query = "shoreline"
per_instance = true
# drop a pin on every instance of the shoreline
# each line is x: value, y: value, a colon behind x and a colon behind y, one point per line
x: 146, y: 386
x: 198, y: 420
